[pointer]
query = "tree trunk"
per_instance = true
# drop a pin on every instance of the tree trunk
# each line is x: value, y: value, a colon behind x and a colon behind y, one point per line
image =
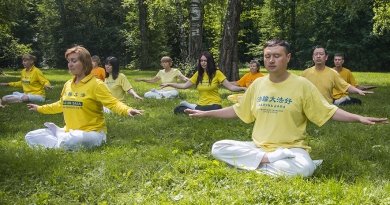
x: 182, y: 33
x: 293, y: 38
x: 196, y: 31
x: 144, y: 35
x: 228, y: 53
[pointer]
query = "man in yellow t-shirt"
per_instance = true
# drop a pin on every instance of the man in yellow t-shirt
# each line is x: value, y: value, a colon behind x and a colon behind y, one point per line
x: 280, y: 105
x: 342, y: 98
x: 325, y: 78
x: 32, y: 81
x: 247, y: 79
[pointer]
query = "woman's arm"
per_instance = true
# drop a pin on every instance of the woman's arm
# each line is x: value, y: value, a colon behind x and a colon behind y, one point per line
x: 227, y: 112
x: 151, y: 80
x: 135, y: 95
x: 183, y: 78
x: 232, y: 87
x: 177, y: 85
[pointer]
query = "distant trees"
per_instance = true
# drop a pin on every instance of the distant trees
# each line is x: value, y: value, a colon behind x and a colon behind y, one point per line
x: 139, y: 32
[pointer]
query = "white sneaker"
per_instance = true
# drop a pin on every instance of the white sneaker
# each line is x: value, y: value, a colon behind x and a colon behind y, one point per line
x: 187, y: 104
x: 318, y: 162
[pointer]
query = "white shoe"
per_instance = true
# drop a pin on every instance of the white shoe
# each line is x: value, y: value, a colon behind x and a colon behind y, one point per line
x: 187, y: 104
x: 318, y: 162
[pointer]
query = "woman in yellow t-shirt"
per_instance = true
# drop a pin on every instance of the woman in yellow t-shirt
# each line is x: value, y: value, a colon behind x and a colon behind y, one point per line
x: 206, y: 80
x: 117, y: 82
x: 81, y: 102
x: 32, y: 81
x: 166, y: 75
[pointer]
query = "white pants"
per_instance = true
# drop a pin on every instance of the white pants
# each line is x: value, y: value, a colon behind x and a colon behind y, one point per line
x: 245, y: 155
x: 158, y: 94
x: 16, y: 97
x: 55, y: 137
x: 341, y: 100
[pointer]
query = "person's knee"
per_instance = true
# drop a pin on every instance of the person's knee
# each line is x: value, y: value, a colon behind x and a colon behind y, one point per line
x: 25, y: 98
x: 307, y: 170
x: 152, y: 95
x: 9, y: 99
x: 218, y: 146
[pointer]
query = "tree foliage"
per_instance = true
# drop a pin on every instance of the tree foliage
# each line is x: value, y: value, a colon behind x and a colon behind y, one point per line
x: 358, y: 28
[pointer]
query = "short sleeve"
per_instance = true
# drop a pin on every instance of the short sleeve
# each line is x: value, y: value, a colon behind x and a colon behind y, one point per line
x: 315, y: 106
x: 243, y: 108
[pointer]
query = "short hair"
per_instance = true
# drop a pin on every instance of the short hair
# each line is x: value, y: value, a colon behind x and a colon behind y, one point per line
x: 166, y: 59
x: 319, y: 46
x: 278, y: 42
x: 96, y: 59
x: 255, y: 62
x: 339, y: 55
x: 29, y: 57
x: 84, y: 57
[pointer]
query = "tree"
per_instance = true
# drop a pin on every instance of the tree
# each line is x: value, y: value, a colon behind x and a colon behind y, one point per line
x: 382, y: 15
x: 16, y: 33
x: 144, y: 35
x: 229, y: 48
x: 196, y: 31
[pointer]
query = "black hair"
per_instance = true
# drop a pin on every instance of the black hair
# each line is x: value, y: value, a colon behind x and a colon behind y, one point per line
x: 278, y: 42
x: 115, y: 67
x: 211, y: 68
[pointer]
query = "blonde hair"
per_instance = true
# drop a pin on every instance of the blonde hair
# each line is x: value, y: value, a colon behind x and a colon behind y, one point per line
x: 29, y: 57
x: 84, y: 57
x: 166, y: 59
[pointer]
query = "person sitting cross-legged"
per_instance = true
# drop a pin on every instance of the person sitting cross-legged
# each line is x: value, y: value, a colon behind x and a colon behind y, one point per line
x: 246, y: 80
x: 166, y: 75
x: 81, y: 102
x: 280, y: 105
x: 206, y: 80
x: 32, y: 81
x: 326, y: 79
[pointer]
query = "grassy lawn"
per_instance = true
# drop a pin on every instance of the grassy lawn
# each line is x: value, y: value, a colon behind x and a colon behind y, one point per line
x: 162, y: 158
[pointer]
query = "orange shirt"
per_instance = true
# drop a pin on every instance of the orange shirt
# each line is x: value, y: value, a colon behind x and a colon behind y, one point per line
x: 248, y: 78
x: 99, y: 73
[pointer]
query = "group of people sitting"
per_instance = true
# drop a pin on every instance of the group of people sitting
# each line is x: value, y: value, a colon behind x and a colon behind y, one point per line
x: 279, y: 103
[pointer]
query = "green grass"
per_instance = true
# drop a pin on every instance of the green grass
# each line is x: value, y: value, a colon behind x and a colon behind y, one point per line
x: 162, y: 158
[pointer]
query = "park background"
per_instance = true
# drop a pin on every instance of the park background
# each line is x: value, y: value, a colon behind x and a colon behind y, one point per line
x: 140, y: 32
x: 162, y: 158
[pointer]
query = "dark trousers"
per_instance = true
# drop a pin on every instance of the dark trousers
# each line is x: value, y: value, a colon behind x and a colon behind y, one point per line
x: 180, y: 109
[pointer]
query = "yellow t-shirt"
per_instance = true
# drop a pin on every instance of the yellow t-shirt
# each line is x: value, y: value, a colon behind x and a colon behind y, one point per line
x: 169, y: 77
x: 119, y: 86
x: 32, y: 82
x: 326, y: 80
x: 82, y: 105
x: 208, y: 94
x: 99, y: 72
x: 346, y: 74
x: 281, y: 111
x: 248, y: 78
